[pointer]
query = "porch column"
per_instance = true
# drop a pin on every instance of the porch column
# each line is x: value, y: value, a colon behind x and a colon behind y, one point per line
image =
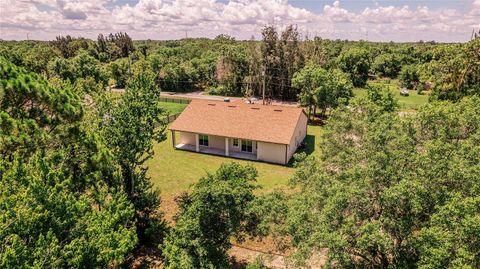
x: 197, y: 143
x: 226, y: 147
x: 173, y: 138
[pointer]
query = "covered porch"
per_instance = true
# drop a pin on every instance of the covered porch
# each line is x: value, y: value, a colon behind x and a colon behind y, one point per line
x: 214, y: 145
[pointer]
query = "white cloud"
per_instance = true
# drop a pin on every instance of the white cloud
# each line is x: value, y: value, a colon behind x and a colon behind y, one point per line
x: 337, y: 14
x: 167, y: 19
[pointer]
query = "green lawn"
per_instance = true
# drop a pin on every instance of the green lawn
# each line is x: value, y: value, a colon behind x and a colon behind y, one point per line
x: 173, y: 108
x: 411, y: 102
x: 173, y: 171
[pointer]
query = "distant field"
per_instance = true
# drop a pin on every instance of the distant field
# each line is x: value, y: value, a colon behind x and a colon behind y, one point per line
x: 411, y: 102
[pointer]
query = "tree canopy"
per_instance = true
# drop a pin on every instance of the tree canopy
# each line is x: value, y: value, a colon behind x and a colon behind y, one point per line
x: 388, y: 191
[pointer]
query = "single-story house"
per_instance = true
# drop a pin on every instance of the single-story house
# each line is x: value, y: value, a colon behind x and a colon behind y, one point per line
x: 241, y: 130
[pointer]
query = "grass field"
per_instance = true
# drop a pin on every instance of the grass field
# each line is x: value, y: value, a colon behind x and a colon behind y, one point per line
x: 173, y: 108
x: 174, y: 171
x: 411, y: 102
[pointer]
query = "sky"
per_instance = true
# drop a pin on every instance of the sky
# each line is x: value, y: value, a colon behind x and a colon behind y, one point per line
x: 373, y: 20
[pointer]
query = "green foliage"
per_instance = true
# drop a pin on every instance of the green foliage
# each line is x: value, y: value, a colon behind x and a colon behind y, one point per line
x: 119, y: 72
x: 87, y: 66
x: 321, y: 88
x: 130, y: 129
x: 28, y: 103
x: 451, y: 239
x: 69, y: 46
x: 409, y: 77
x: 382, y: 97
x: 387, y: 65
x: 281, y: 58
x: 458, y: 74
x: 216, y: 210
x: 56, y: 209
x: 388, y: 191
x: 46, y: 223
x: 356, y: 63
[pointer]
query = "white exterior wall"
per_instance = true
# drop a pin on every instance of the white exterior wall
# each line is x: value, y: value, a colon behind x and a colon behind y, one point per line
x: 217, y: 142
x: 298, y: 136
x: 270, y: 152
x: 235, y: 148
x: 187, y: 138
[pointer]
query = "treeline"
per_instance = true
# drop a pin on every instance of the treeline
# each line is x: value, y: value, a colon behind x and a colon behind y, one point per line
x: 387, y: 191
x: 225, y: 66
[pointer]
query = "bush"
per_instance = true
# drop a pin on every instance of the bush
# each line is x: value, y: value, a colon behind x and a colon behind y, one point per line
x: 409, y: 77
x: 387, y: 65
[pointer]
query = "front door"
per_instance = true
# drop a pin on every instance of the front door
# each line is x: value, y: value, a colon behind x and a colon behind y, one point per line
x: 247, y: 146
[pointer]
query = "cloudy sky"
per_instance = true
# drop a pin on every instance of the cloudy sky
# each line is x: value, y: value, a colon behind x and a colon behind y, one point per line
x: 378, y: 20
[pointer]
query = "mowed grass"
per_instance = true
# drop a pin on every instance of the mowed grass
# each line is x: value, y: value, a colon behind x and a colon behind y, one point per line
x: 411, y: 102
x: 174, y: 171
x: 173, y: 108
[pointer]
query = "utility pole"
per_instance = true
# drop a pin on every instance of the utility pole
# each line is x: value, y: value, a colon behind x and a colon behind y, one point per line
x: 263, y: 90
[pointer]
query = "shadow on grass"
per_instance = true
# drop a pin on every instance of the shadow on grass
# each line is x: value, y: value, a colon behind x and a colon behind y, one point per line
x: 308, y: 147
x: 309, y: 144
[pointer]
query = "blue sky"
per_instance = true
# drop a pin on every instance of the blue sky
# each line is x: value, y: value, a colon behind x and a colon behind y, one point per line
x: 379, y: 20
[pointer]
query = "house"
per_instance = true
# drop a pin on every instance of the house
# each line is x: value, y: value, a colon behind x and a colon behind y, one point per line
x: 240, y: 130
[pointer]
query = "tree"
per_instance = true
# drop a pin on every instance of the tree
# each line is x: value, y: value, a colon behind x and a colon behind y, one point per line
x: 409, y: 77
x: 281, y: 58
x: 355, y: 62
x: 291, y: 60
x: 270, y: 60
x: 216, y: 210
x: 87, y: 66
x: 459, y: 74
x: 119, y: 71
x: 388, y: 191
x: 230, y: 71
x: 383, y: 98
x: 387, y: 65
x: 321, y: 88
x: 69, y: 46
x: 451, y: 239
x: 56, y: 209
x: 132, y: 126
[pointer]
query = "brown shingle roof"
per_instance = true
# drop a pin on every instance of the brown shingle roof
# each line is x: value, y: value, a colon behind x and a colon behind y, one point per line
x: 275, y: 124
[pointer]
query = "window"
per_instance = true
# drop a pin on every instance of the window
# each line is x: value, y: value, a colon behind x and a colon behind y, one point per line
x: 247, y: 145
x: 203, y: 140
x: 235, y: 142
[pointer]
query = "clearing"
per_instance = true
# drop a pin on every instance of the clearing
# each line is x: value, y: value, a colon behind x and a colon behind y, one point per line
x: 407, y: 103
x: 174, y: 171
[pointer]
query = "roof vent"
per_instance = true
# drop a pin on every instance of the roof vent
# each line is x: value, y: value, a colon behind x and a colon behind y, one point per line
x: 277, y: 110
x: 256, y: 108
x: 226, y: 100
x: 211, y: 104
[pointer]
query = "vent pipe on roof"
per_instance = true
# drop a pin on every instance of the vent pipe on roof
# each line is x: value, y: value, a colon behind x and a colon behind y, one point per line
x: 226, y: 100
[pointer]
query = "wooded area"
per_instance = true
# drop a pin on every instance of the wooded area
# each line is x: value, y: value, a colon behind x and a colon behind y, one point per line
x: 388, y: 190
